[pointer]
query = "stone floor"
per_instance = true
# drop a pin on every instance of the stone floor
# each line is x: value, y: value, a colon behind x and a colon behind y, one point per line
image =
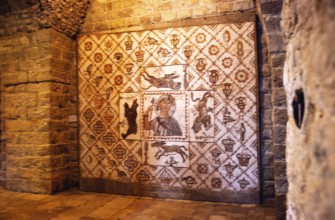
x: 74, y: 204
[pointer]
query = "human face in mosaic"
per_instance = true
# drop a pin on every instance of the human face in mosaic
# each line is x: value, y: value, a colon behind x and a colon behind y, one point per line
x: 165, y: 108
x: 166, y: 105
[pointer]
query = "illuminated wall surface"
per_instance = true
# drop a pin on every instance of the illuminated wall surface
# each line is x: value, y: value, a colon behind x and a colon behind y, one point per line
x: 170, y: 112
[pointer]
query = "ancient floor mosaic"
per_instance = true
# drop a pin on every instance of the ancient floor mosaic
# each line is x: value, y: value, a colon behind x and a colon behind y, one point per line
x: 174, y: 107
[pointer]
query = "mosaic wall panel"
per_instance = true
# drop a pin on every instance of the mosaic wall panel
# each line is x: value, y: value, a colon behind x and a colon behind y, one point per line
x: 173, y: 108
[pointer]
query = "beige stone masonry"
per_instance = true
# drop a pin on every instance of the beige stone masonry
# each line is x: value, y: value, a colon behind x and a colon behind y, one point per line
x: 35, y: 104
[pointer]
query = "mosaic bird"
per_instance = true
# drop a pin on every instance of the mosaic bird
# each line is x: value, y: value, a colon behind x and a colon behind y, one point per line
x: 111, y: 163
x: 101, y: 150
x: 163, y: 52
x: 108, y: 92
x: 121, y: 173
x: 152, y: 41
x: 91, y: 138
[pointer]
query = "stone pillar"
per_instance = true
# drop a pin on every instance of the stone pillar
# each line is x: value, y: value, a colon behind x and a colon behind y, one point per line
x: 2, y: 145
x: 35, y: 103
x: 270, y: 16
x: 266, y: 124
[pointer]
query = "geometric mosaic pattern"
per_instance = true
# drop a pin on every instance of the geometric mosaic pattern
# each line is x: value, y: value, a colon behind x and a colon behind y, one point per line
x: 173, y: 107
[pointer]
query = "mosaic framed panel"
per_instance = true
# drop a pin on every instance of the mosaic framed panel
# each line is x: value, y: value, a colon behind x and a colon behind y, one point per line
x: 165, y: 116
x: 170, y: 112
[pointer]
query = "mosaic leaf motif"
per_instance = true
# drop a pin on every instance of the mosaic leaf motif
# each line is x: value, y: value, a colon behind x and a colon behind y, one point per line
x: 171, y: 107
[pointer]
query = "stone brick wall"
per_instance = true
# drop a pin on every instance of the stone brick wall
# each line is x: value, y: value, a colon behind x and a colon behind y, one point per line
x: 45, y: 60
x: 310, y: 64
x: 265, y: 110
x: 106, y: 15
x: 15, y: 17
x: 270, y: 17
x: 18, y: 17
x: 2, y: 145
x: 35, y: 92
x: 73, y: 121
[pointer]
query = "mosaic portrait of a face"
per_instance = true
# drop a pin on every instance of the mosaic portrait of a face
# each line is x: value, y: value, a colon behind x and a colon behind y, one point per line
x: 164, y: 116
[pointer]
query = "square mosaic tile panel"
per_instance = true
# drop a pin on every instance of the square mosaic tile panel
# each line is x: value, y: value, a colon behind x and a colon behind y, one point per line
x: 174, y: 108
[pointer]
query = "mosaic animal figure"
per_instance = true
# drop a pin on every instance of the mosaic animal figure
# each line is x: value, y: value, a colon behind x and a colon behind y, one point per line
x: 151, y: 41
x: 163, y: 82
x: 189, y: 180
x: 108, y: 92
x: 111, y: 163
x: 163, y: 52
x: 90, y: 138
x: 121, y: 174
x: 166, y: 150
x: 131, y: 114
x: 101, y: 152
x: 203, y: 118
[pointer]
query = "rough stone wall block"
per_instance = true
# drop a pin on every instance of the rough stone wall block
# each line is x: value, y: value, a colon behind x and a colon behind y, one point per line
x: 309, y: 67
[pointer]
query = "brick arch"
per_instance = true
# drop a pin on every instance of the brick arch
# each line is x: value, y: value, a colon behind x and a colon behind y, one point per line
x: 65, y: 16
